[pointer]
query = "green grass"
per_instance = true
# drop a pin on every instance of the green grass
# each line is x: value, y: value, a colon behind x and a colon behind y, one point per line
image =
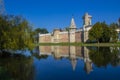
x: 80, y: 44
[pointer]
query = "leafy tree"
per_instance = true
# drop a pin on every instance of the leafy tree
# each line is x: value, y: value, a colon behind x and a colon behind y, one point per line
x: 96, y: 32
x: 101, y: 32
x: 16, y: 34
x: 114, y: 34
x: 114, y: 26
x: 106, y: 34
x: 41, y: 30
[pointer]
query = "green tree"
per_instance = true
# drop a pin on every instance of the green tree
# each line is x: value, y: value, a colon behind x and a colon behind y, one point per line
x: 101, y: 32
x: 106, y: 33
x: 96, y: 32
x: 16, y: 34
x: 114, y: 34
x: 41, y: 30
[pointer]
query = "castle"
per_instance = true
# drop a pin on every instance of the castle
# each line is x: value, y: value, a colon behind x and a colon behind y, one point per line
x: 72, y: 35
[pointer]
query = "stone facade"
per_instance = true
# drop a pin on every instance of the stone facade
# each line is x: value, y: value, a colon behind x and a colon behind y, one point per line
x: 73, y: 35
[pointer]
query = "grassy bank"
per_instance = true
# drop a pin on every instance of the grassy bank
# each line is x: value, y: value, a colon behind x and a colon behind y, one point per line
x: 80, y: 44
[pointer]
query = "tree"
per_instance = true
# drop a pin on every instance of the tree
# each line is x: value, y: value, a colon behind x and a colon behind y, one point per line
x: 41, y: 30
x: 106, y: 34
x: 101, y: 32
x: 114, y: 26
x: 114, y: 34
x: 16, y: 34
x: 96, y: 32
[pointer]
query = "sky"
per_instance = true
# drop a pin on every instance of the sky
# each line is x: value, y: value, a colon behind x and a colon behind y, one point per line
x: 51, y: 14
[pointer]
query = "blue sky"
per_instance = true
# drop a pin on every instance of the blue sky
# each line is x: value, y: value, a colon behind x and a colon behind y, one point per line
x: 52, y: 14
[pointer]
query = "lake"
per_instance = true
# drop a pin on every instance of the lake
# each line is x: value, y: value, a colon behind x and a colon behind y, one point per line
x: 62, y: 63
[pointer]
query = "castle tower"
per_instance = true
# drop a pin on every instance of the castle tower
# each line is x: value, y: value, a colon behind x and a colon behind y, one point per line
x: 86, y: 26
x: 72, y: 30
x: 87, y: 20
x: 72, y: 25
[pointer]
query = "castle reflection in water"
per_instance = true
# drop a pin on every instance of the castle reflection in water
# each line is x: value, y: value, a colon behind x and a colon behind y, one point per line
x: 73, y: 53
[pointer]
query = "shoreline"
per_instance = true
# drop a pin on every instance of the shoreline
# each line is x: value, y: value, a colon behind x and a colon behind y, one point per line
x: 80, y: 44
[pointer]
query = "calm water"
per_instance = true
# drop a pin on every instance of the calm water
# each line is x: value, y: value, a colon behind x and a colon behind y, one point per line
x: 62, y: 63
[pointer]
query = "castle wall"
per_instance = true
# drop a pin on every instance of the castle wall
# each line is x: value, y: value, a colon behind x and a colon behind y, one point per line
x: 45, y: 38
x: 55, y: 38
x: 59, y: 37
x: 78, y: 36
x: 63, y: 37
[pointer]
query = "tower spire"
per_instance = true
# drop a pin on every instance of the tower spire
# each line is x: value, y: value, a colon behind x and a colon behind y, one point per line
x: 72, y: 25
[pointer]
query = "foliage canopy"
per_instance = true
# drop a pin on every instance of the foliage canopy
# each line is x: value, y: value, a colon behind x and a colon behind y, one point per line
x: 16, y: 33
x: 101, y: 32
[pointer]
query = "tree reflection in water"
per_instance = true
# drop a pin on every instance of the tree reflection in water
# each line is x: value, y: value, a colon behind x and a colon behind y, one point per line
x: 16, y: 67
x: 102, y: 56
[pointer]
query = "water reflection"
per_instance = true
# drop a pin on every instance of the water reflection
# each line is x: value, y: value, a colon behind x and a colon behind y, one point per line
x: 99, y: 56
x: 16, y: 67
x: 73, y: 53
x: 102, y: 56
x: 62, y: 63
